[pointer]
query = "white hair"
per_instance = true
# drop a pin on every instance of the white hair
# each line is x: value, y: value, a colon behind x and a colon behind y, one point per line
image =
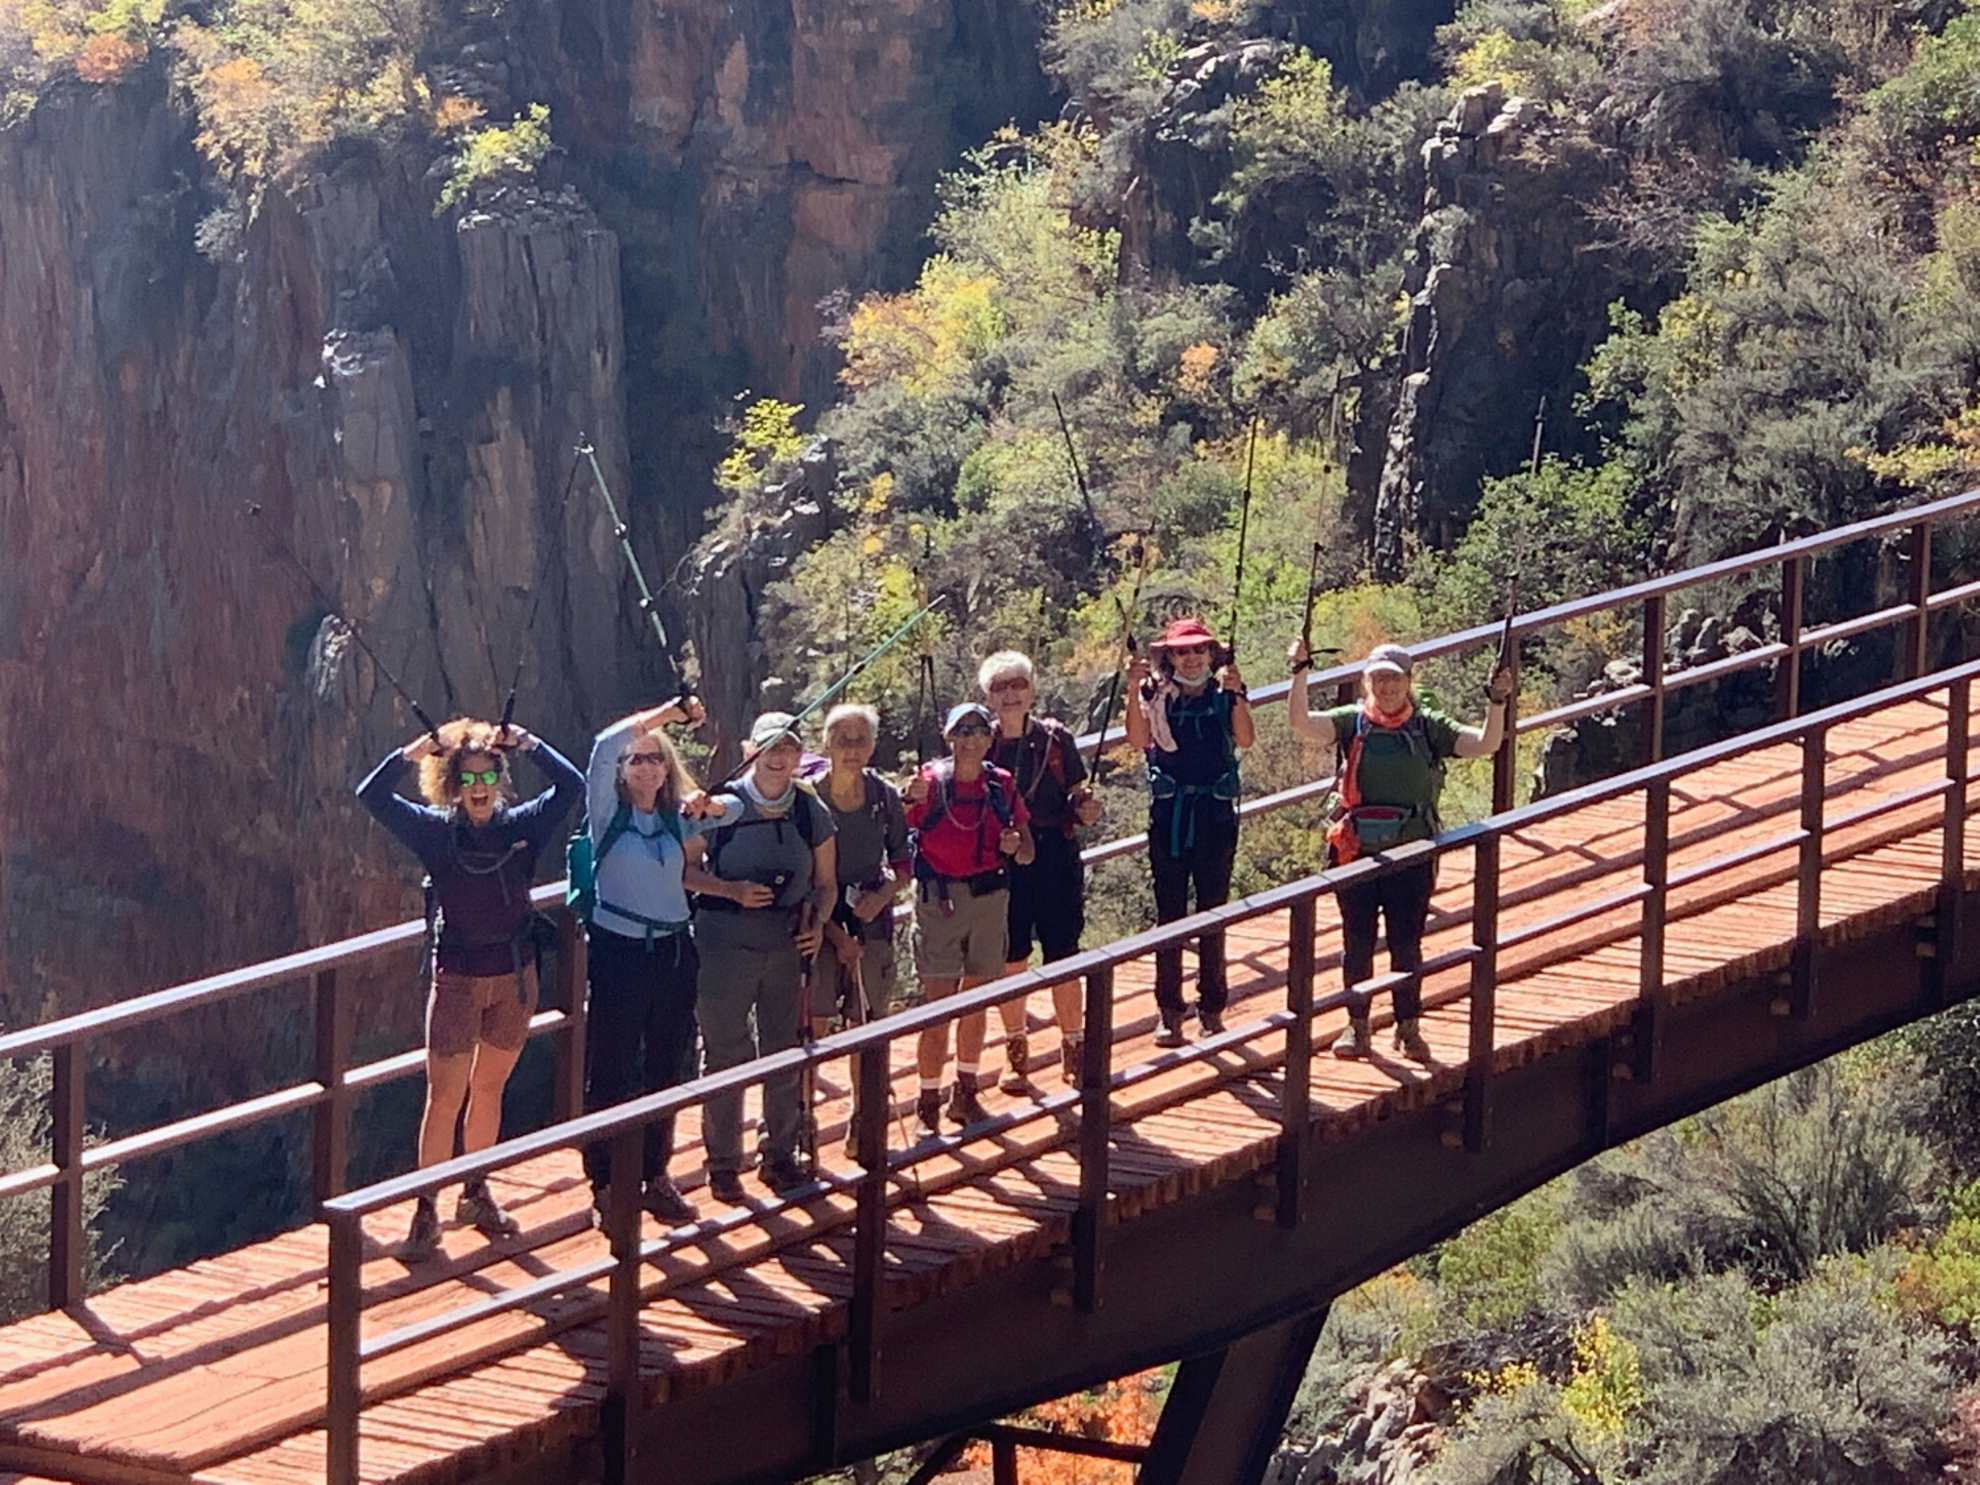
x: 1004, y: 662
x: 852, y: 711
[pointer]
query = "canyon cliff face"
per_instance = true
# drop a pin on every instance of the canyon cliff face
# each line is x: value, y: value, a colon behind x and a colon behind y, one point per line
x: 400, y: 394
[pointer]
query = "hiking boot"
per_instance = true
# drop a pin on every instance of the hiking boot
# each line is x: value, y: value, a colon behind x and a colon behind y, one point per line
x: 1071, y: 1051
x: 423, y: 1237
x: 964, y: 1106
x: 928, y: 1113
x: 479, y: 1209
x: 664, y: 1201
x: 1355, y: 1041
x: 783, y: 1176
x: 1171, y: 1034
x: 726, y: 1187
x: 1017, y: 1060
x: 1211, y: 1021
x: 1410, y: 1042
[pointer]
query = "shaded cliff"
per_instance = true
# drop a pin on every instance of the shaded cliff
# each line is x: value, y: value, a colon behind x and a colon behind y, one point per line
x: 400, y: 393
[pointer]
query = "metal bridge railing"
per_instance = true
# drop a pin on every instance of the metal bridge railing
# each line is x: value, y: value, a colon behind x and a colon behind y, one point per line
x: 884, y: 1176
x: 330, y: 1093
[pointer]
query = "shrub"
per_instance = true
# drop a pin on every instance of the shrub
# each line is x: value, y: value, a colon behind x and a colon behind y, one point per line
x: 492, y: 153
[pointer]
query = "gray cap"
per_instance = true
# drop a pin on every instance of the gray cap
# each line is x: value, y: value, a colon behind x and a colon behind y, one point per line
x: 1392, y: 658
x: 770, y: 729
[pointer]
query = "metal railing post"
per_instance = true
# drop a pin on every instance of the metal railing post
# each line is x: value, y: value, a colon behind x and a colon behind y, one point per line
x: 619, y: 1416
x: 568, y: 1080
x: 871, y: 1108
x: 66, y: 1240
x: 1938, y: 972
x: 1484, y: 994
x: 1787, y: 676
x: 331, y: 1122
x: 1652, y: 750
x: 1648, y: 1030
x: 1808, y: 874
x: 344, y: 1393
x: 1916, y: 627
x: 1095, y: 1135
x: 1296, y: 1101
x: 1003, y: 1462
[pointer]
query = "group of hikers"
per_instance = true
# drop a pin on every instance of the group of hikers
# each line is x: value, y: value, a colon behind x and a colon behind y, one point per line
x: 742, y: 916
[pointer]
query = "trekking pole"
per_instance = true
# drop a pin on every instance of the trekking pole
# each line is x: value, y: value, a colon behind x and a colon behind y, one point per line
x: 287, y: 553
x: 535, y: 602
x: 1079, y: 478
x: 1128, y: 613
x: 1505, y: 657
x: 1306, y: 620
x: 624, y: 536
x: 808, y: 1078
x: 1244, y: 529
x: 1505, y: 762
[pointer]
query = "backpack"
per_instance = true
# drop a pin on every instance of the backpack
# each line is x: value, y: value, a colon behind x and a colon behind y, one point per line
x: 1355, y: 827
x: 582, y: 860
x: 942, y: 775
x: 804, y: 815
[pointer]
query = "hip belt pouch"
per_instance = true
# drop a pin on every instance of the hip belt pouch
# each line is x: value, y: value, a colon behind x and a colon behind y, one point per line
x: 1379, y: 826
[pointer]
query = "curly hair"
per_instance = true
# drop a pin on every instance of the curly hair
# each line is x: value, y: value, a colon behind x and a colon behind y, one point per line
x: 464, y: 737
x: 679, y: 782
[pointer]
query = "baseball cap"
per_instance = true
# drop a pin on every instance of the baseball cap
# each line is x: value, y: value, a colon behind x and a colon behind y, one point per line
x: 1392, y: 658
x: 964, y: 709
x: 770, y: 729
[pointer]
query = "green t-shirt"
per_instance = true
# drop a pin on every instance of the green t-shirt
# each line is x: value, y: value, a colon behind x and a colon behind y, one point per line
x: 1394, y: 769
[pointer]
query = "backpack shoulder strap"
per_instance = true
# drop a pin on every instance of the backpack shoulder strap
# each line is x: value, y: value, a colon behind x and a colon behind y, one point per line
x: 620, y: 823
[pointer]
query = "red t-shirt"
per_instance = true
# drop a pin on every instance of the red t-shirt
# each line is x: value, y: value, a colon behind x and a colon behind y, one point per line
x: 964, y: 841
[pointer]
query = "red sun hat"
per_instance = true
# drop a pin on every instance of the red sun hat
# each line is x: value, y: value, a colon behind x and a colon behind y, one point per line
x: 1182, y: 633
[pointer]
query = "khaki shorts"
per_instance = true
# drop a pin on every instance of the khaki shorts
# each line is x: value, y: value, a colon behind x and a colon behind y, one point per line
x: 463, y: 1011
x: 965, y: 942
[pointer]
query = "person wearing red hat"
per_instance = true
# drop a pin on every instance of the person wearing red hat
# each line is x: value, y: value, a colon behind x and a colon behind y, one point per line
x: 1189, y: 718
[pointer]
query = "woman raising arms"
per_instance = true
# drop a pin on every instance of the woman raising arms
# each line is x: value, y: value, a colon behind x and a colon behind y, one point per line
x: 480, y: 855
x: 1392, y: 755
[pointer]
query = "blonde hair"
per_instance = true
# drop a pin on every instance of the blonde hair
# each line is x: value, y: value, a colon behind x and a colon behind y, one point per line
x: 1004, y: 662
x: 678, y: 784
x: 852, y: 711
x: 464, y: 737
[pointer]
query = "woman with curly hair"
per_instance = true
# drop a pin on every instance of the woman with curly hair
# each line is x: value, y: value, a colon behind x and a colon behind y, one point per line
x: 480, y: 856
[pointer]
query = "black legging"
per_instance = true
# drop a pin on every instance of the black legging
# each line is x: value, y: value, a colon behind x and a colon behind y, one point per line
x: 1208, y: 853
x: 1402, y: 897
x: 638, y: 1035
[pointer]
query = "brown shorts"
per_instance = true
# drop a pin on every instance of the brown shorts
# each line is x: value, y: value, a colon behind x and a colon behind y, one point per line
x: 463, y: 1011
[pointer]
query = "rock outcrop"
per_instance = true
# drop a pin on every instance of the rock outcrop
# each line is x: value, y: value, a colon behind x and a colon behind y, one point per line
x: 1506, y: 295
x: 400, y: 394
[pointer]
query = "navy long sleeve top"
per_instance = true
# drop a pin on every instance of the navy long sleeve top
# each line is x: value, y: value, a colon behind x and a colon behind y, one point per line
x: 481, y: 873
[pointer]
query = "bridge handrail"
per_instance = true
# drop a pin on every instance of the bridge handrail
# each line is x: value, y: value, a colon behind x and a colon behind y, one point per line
x: 637, y: 1113
x: 330, y: 1094
x: 870, y: 1045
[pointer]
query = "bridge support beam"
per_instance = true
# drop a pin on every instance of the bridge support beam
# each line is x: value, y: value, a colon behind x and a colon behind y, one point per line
x: 1222, y: 1421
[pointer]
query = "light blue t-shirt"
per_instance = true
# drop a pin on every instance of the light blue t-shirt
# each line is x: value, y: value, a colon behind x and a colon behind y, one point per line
x: 642, y: 871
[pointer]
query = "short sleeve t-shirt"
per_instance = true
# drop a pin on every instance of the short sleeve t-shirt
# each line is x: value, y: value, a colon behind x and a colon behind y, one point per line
x: 1029, y: 759
x: 872, y: 834
x: 1395, y: 771
x: 762, y: 848
x: 963, y: 841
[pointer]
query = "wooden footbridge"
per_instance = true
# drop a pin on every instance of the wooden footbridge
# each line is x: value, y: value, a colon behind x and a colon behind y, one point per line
x: 1600, y: 963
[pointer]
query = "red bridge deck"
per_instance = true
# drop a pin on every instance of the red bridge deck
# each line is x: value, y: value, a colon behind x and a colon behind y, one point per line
x: 217, y: 1371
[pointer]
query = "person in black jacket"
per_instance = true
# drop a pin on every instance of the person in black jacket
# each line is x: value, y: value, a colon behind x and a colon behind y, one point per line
x: 480, y: 856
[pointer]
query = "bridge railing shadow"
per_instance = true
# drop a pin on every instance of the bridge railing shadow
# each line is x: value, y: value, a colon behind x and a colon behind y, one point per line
x: 330, y: 1094
x: 1089, y: 1132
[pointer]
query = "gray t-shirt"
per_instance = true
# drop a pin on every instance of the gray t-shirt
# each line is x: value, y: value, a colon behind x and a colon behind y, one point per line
x: 871, y: 834
x: 760, y: 847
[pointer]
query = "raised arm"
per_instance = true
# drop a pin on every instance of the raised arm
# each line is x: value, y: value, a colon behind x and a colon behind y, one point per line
x: 1135, y: 716
x: 1244, y: 732
x: 1316, y: 726
x: 421, y: 830
x: 1482, y: 742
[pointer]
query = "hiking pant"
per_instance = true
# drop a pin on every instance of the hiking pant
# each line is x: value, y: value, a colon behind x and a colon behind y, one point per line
x: 1204, y: 861
x: 639, y: 1034
x: 748, y: 1005
x: 1402, y: 898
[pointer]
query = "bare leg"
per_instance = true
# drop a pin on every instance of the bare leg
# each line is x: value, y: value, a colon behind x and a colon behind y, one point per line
x: 1011, y: 1012
x: 932, y: 1053
x: 446, y: 1090
x: 484, y: 1104
x: 970, y: 1029
x: 1069, y: 1002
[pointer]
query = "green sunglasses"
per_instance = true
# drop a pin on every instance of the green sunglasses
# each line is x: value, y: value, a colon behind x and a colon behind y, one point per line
x: 489, y: 776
